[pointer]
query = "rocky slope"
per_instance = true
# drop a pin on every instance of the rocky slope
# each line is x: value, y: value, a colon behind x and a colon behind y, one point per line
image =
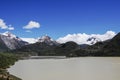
x: 44, y: 46
x: 10, y: 41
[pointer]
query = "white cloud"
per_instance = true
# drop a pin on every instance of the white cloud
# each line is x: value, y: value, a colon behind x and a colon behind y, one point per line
x: 29, y: 40
x: 81, y: 38
x: 4, y: 26
x: 31, y: 25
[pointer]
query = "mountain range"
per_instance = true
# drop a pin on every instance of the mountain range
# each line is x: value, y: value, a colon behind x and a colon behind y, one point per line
x: 11, y: 41
x: 45, y: 45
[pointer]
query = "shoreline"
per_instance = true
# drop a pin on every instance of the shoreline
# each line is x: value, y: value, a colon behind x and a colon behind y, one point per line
x: 44, y: 57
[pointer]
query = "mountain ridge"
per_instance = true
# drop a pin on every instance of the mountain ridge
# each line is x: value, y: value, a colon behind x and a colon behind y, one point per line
x: 45, y: 45
x: 11, y: 41
x: 109, y: 47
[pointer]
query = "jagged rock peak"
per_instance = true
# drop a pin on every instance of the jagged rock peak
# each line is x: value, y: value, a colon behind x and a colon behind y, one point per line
x: 93, y: 40
x: 48, y: 40
x: 44, y: 38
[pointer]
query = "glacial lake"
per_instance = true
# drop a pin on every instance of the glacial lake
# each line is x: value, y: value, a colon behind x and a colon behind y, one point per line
x: 82, y: 68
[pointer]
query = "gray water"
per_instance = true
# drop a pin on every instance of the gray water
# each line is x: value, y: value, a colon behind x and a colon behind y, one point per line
x: 83, y: 68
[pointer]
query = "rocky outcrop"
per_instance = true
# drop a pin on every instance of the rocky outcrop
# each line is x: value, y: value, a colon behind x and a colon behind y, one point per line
x: 46, y: 39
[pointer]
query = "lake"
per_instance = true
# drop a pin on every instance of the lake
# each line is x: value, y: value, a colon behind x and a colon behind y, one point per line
x: 82, y: 68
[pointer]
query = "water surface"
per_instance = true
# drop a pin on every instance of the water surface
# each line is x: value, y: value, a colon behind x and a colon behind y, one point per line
x: 83, y: 68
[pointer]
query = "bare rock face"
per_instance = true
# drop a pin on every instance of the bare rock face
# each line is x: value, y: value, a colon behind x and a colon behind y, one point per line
x: 93, y: 40
x: 11, y: 41
x: 47, y: 40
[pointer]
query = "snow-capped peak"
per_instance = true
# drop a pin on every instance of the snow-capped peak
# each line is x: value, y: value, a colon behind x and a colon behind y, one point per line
x: 40, y: 39
x: 11, y: 40
x: 44, y: 39
x: 48, y: 40
x: 9, y: 34
x: 92, y: 40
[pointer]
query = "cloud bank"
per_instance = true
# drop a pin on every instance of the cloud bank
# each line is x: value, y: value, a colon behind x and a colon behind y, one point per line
x: 29, y: 40
x: 4, y: 26
x: 81, y: 38
x: 31, y: 25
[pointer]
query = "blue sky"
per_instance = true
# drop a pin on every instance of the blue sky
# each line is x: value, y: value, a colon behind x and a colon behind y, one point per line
x: 60, y: 17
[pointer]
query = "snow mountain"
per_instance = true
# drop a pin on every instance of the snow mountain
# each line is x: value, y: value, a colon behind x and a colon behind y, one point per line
x: 48, y: 40
x: 83, y: 38
x: 93, y: 40
x: 11, y: 41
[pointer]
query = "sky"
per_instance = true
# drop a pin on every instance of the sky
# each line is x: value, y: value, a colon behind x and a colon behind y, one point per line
x: 58, y: 18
